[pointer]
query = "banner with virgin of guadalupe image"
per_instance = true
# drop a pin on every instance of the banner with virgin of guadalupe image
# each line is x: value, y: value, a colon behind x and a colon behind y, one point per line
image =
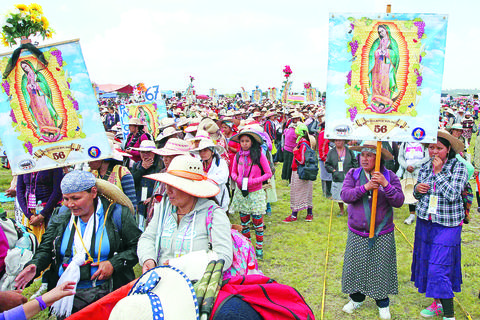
x: 48, y: 112
x: 385, y: 76
x: 311, y: 96
x: 256, y: 95
x: 150, y: 113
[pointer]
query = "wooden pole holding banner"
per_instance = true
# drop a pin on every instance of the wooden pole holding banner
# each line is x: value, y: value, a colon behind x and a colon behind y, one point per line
x: 378, y: 156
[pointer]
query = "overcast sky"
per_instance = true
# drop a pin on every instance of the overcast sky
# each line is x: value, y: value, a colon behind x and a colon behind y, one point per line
x: 232, y: 44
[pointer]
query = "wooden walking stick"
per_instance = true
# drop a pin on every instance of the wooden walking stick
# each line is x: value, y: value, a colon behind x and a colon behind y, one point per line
x: 375, y: 193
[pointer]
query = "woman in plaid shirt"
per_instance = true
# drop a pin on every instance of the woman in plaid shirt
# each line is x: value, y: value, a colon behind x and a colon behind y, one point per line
x: 436, y: 265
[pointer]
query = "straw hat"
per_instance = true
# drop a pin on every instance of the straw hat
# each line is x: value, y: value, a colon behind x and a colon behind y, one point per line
x: 204, y: 144
x: 173, y: 147
x: 456, y: 126
x: 192, y: 127
x: 113, y: 194
x: 135, y: 122
x: 208, y: 125
x: 160, y: 293
x: 166, y: 122
x: 386, y: 155
x: 456, y: 144
x: 146, y: 145
x: 186, y: 173
x: 169, y: 131
x: 201, y: 134
x: 251, y: 133
x: 183, y: 121
x: 213, y: 115
x: 296, y: 114
x: 408, y: 185
x: 257, y: 114
x: 270, y: 113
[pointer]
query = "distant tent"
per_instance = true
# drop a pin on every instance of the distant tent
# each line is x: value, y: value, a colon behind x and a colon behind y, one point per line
x: 104, y: 88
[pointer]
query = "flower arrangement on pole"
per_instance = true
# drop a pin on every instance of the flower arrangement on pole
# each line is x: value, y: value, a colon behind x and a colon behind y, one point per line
x: 23, y: 22
x: 307, y: 85
x: 287, y: 72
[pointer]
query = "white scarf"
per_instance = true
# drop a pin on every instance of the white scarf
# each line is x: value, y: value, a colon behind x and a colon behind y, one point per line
x: 63, y: 307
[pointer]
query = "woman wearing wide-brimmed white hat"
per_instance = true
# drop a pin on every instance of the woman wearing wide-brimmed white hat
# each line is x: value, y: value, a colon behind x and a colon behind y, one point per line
x: 179, y: 226
x: 149, y: 163
x: 215, y: 167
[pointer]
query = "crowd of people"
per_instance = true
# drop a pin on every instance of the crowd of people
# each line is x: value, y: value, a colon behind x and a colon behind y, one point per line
x: 150, y: 201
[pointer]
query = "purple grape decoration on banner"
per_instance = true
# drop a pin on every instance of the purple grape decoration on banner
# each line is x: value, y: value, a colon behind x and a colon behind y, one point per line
x: 349, y: 78
x: 12, y: 115
x: 6, y: 87
x: 354, y: 47
x: 353, y: 113
x: 29, y: 147
x: 58, y: 55
x: 420, y: 28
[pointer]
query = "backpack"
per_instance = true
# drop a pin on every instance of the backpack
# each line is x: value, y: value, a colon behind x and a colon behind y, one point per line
x: 467, y: 198
x: 269, y: 298
x: 244, y: 257
x: 308, y: 170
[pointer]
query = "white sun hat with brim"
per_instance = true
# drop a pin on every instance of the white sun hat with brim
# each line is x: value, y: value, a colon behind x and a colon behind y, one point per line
x: 163, y: 292
x: 456, y: 144
x: 135, y: 122
x: 372, y: 145
x: 208, y: 143
x: 146, y: 146
x: 167, y: 132
x: 201, y: 134
x: 192, y: 127
x: 251, y: 133
x: 186, y: 174
x: 270, y: 113
x: 174, y: 147
x: 183, y: 121
x: 166, y: 122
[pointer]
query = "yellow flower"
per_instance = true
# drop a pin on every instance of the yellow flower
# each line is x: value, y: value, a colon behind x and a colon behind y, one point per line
x: 21, y: 7
x: 35, y: 7
x: 4, y: 41
x: 45, y: 23
x: 49, y: 34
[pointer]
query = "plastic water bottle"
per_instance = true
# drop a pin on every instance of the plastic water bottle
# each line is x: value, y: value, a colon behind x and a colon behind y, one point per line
x: 39, y: 207
x: 24, y: 243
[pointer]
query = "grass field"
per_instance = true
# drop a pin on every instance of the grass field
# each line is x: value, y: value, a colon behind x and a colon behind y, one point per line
x: 295, y: 254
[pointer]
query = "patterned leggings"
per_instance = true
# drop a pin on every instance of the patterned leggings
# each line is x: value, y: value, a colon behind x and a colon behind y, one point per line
x: 257, y: 224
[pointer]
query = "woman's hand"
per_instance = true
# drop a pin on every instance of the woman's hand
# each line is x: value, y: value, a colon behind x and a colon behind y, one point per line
x: 370, y: 185
x: 37, y: 220
x: 10, y: 299
x: 423, y: 187
x: 410, y: 169
x: 25, y: 276
x: 379, y: 178
x: 437, y: 164
x: 147, y: 163
x: 147, y: 265
x: 105, y: 270
x: 57, y: 293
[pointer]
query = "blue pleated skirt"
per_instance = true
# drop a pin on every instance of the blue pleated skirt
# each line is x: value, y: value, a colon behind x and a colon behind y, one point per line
x: 437, y: 258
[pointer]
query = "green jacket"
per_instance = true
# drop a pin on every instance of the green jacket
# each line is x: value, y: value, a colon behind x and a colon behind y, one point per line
x: 123, y: 240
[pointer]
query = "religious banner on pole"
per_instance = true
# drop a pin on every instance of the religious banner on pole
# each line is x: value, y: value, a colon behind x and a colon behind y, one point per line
x: 214, y: 95
x: 385, y: 76
x: 272, y: 94
x: 311, y: 94
x: 245, y: 95
x: 286, y: 90
x: 150, y: 113
x: 48, y: 110
x: 256, y: 95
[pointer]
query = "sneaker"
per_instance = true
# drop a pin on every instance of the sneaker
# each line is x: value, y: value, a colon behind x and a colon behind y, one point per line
x: 309, y: 218
x: 259, y: 254
x: 433, y: 310
x: 384, y: 313
x: 43, y: 288
x: 410, y: 219
x: 351, y: 306
x: 289, y: 219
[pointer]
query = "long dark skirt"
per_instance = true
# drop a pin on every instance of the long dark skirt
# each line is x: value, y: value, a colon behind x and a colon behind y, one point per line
x: 287, y: 165
x: 437, y: 259
x: 372, y: 272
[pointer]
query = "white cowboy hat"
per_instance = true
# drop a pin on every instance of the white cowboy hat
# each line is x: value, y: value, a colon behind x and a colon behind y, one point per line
x: 174, y: 147
x: 160, y: 293
x: 208, y: 143
x: 201, y: 134
x: 146, y: 145
x: 135, y: 122
x: 166, y: 122
x: 250, y: 133
x: 186, y: 173
x: 167, y: 132
x: 183, y: 121
x: 270, y: 113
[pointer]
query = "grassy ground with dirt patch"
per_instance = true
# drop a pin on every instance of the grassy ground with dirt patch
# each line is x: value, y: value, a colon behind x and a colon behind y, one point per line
x: 295, y: 254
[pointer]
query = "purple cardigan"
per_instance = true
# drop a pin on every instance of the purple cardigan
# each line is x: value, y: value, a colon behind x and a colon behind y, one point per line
x: 388, y: 197
x: 47, y: 190
x: 290, y: 139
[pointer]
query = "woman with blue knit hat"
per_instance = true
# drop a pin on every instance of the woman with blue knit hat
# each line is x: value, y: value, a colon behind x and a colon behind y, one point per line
x: 301, y: 191
x: 92, y: 240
